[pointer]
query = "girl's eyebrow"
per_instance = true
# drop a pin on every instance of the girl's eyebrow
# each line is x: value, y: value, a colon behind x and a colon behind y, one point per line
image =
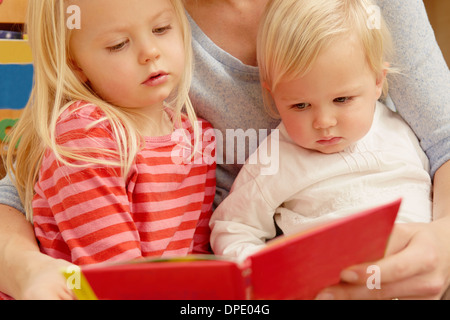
x: 118, y: 28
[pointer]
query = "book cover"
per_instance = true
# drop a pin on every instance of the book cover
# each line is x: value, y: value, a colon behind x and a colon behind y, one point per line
x: 290, y: 267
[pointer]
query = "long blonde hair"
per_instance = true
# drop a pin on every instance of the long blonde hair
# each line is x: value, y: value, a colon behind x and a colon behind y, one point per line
x: 56, y: 87
x: 292, y: 33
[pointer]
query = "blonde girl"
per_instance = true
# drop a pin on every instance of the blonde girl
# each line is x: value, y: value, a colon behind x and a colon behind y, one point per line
x: 96, y: 163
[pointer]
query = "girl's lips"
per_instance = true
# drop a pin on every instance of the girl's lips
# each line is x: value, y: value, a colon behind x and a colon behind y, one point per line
x: 329, y: 141
x: 156, y: 79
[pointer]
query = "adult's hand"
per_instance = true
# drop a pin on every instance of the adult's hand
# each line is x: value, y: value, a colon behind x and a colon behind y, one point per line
x: 26, y: 273
x: 416, y: 266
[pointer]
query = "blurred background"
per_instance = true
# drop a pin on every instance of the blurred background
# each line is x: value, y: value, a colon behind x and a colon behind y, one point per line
x: 439, y: 14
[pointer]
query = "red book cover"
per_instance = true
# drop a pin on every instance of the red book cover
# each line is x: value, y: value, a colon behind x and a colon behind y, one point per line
x: 290, y: 267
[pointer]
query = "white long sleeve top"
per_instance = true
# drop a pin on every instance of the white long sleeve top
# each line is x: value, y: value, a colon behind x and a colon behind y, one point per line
x: 299, y: 187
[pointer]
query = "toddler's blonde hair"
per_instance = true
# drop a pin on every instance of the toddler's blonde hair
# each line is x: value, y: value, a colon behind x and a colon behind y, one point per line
x: 293, y: 32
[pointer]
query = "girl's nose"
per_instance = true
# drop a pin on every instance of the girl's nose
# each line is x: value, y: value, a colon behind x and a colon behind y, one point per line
x: 148, y: 53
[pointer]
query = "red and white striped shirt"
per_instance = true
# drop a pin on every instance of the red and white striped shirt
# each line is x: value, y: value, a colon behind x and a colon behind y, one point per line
x: 92, y: 214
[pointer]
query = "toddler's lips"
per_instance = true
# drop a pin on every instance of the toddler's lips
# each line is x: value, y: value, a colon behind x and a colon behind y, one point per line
x: 329, y: 141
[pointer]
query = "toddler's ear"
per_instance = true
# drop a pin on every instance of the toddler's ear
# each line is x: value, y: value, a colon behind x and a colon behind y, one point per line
x: 381, y: 78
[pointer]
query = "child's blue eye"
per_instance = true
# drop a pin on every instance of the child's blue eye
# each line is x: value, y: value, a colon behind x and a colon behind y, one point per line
x: 301, y: 106
x: 342, y: 99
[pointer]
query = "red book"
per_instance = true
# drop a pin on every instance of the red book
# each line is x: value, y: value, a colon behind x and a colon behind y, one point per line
x: 290, y: 267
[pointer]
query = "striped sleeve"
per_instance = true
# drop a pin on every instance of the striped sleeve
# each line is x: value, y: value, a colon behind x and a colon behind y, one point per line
x: 82, y: 213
